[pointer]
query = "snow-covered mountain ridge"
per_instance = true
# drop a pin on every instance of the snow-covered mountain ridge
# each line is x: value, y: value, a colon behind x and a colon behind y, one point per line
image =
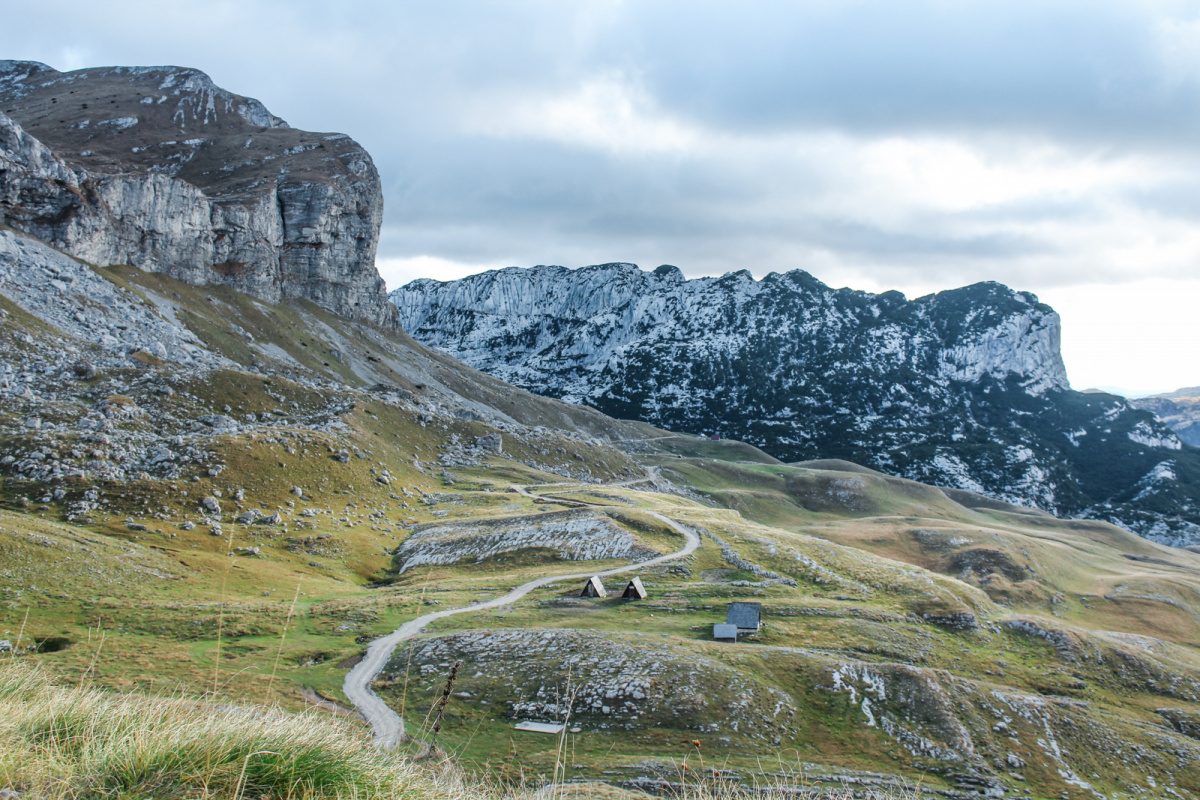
x: 963, y: 388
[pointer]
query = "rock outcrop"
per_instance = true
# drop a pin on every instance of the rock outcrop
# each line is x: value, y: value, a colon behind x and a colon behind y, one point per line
x: 964, y: 388
x: 570, y: 535
x: 159, y: 168
x: 610, y: 309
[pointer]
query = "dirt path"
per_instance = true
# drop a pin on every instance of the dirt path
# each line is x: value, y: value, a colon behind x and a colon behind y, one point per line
x: 386, y: 723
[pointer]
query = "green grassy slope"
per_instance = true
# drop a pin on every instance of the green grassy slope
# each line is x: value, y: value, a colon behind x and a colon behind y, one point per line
x: 911, y: 635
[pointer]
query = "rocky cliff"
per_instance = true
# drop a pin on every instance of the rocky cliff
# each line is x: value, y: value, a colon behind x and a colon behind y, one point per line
x: 159, y: 168
x: 964, y: 388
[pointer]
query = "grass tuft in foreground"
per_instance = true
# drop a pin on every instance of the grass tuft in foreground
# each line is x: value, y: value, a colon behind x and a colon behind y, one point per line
x: 62, y: 742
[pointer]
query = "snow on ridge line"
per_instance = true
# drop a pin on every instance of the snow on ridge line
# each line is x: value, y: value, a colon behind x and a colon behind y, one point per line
x: 619, y: 305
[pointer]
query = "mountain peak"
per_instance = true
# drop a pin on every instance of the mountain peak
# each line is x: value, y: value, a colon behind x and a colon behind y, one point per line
x: 160, y: 168
x: 669, y: 272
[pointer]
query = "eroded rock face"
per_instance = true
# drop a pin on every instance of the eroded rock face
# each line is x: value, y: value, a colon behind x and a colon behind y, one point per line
x: 571, y: 324
x: 571, y: 535
x: 1180, y: 410
x: 159, y: 168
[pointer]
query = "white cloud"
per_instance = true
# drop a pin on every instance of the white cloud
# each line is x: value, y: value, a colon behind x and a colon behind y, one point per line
x: 1135, y: 338
x: 398, y: 271
x: 70, y: 58
x: 1179, y: 49
x: 956, y: 175
x: 605, y: 112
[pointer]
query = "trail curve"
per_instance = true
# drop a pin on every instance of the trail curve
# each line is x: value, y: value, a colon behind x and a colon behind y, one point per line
x: 387, y: 725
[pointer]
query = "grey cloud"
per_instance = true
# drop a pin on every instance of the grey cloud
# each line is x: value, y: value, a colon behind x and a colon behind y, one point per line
x: 1093, y: 71
x: 1089, y: 78
x: 850, y: 237
x: 1178, y: 199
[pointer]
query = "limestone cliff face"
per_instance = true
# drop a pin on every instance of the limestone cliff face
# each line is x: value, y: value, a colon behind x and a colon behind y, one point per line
x: 964, y: 388
x: 159, y: 168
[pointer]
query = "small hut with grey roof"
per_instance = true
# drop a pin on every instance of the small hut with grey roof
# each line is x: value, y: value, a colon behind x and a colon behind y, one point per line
x: 593, y: 588
x: 746, y: 616
x: 635, y: 590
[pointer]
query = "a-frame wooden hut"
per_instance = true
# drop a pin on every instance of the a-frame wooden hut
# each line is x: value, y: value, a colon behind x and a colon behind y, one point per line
x: 593, y: 588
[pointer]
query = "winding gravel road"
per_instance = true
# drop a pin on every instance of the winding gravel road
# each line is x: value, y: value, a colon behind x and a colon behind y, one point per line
x: 386, y: 723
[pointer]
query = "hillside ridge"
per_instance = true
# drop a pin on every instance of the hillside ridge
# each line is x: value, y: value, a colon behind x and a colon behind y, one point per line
x: 1180, y: 410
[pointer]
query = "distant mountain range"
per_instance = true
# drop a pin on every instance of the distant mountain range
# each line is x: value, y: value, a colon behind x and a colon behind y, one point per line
x: 964, y: 388
x: 1179, y: 409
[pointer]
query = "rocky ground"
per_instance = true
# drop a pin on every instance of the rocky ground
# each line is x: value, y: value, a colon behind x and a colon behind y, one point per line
x: 613, y: 683
x: 568, y: 535
x: 105, y: 382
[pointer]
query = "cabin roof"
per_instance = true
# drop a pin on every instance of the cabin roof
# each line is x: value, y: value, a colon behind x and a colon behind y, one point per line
x: 594, y: 586
x: 747, y: 616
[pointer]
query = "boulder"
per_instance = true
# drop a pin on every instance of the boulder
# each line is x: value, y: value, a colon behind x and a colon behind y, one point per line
x: 84, y: 370
x: 492, y: 443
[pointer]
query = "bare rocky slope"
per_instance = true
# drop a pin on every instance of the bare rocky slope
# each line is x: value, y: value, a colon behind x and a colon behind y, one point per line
x: 116, y: 375
x: 964, y: 388
x: 159, y: 168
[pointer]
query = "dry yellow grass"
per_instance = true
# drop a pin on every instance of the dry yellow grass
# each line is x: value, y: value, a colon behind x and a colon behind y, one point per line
x: 70, y: 742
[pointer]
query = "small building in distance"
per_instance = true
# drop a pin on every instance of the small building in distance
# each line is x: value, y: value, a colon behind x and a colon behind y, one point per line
x: 593, y: 588
x: 746, y: 616
x: 539, y: 727
x: 724, y: 632
x: 635, y: 590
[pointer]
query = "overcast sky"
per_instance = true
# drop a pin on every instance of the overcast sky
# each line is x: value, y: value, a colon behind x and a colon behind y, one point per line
x: 1053, y: 146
